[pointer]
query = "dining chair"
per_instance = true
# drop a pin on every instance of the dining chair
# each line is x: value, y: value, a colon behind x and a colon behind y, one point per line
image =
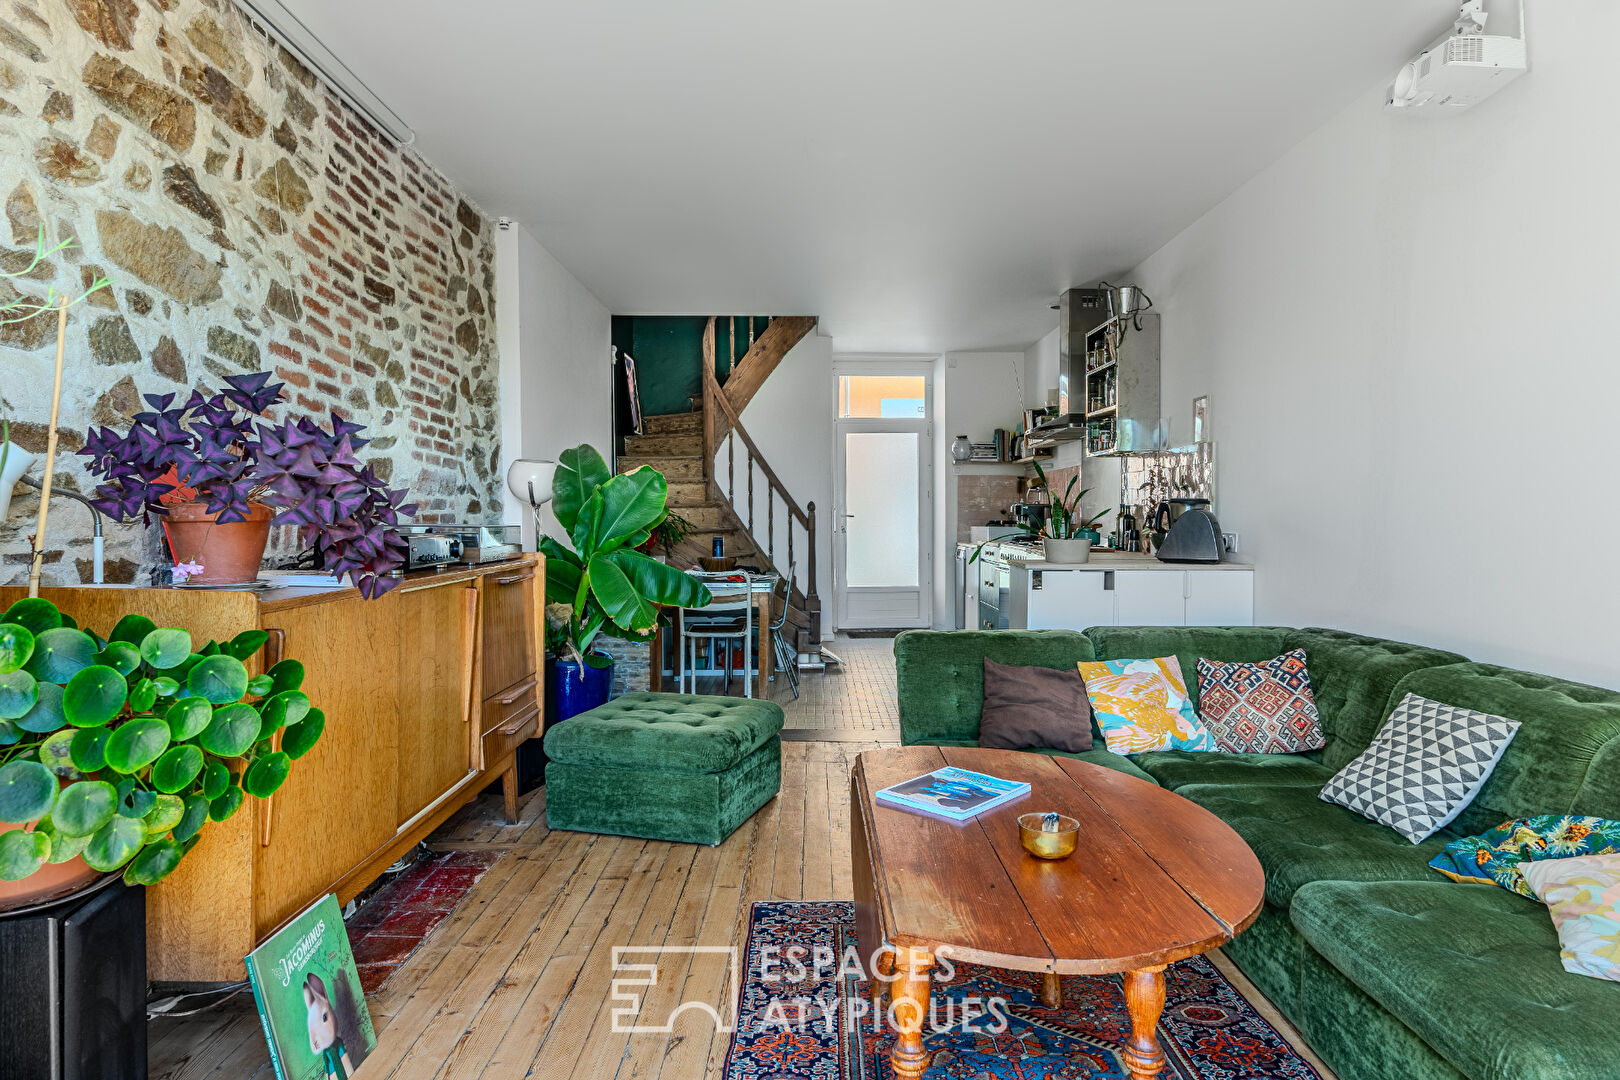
x: 730, y: 617
x: 787, y: 656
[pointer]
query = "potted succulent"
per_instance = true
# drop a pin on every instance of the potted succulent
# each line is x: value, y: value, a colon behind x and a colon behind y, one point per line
x: 219, y: 480
x: 602, y: 582
x: 116, y: 751
x: 1069, y: 536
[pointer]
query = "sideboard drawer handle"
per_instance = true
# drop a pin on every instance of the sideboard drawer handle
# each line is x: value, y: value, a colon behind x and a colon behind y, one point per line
x: 513, y: 580
x: 507, y: 699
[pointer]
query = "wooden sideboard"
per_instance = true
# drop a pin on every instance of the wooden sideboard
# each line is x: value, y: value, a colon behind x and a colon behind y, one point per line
x: 428, y: 691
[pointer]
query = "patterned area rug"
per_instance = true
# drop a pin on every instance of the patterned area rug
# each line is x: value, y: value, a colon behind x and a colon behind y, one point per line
x: 802, y: 1016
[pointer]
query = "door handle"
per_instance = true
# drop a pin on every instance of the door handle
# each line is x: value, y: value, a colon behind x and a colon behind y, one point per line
x: 1108, y: 581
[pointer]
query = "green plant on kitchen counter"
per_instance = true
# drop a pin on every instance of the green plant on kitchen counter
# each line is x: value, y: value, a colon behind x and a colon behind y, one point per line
x: 1066, y: 522
x: 603, y: 581
x: 121, y: 749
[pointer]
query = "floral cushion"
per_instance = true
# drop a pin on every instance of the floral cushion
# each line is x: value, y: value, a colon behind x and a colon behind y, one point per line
x: 1264, y: 708
x: 1498, y: 857
x: 1583, y: 896
x: 1143, y: 705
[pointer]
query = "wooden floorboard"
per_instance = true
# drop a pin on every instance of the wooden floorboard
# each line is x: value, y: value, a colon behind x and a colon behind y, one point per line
x: 519, y: 980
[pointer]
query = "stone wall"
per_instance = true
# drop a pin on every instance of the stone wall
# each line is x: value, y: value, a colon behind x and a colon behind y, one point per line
x: 248, y: 220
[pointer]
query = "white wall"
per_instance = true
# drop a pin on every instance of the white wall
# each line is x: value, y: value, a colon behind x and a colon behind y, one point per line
x: 1408, y: 333
x: 790, y: 418
x: 974, y: 393
x: 556, y: 362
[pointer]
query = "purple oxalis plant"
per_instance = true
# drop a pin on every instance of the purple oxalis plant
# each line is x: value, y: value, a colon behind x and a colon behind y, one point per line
x: 308, y: 474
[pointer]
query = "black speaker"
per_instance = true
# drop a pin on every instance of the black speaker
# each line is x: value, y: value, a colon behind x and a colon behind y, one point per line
x: 73, y: 988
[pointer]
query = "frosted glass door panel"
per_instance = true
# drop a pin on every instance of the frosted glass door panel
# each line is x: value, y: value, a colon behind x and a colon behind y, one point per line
x: 882, y: 498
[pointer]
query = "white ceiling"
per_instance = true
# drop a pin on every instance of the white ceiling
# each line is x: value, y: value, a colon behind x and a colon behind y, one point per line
x: 923, y: 174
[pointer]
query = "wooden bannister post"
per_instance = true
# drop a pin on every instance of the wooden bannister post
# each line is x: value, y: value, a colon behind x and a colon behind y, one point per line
x: 709, y: 409
x: 811, y: 600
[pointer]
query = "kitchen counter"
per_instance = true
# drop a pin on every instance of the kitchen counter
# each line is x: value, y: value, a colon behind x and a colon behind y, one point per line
x: 1122, y: 560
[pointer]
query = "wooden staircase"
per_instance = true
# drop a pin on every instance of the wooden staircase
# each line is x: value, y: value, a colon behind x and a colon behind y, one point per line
x: 767, y: 528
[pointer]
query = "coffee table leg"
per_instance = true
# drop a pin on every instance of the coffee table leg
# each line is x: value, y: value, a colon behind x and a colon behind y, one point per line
x: 1052, y: 990
x: 1144, y: 997
x: 883, y: 964
x: 909, y: 998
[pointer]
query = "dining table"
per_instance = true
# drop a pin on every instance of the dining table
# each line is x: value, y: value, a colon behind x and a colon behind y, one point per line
x: 761, y: 587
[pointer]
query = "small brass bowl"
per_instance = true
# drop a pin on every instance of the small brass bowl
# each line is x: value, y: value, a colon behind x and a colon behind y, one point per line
x: 1048, y: 845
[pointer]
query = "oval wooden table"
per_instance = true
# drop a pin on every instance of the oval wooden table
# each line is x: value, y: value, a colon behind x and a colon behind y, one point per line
x: 1155, y: 879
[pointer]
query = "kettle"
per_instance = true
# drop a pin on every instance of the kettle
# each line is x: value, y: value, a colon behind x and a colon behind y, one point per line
x: 1168, y: 512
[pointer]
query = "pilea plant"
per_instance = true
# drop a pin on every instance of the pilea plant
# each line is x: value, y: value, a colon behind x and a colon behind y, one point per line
x: 120, y: 749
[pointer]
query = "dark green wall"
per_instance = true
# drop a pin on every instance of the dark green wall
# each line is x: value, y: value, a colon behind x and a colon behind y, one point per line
x: 668, y: 350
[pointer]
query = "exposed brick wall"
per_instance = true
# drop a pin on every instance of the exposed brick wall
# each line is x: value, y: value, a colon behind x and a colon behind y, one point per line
x: 248, y: 220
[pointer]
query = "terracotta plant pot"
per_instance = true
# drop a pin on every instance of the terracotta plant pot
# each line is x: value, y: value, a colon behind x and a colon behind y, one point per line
x: 49, y: 882
x: 230, y: 554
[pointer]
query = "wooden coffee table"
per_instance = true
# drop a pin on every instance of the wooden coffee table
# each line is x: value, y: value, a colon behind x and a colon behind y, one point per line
x: 1155, y: 879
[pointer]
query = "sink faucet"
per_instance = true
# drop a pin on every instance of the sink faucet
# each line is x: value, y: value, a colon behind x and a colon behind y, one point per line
x: 97, y: 571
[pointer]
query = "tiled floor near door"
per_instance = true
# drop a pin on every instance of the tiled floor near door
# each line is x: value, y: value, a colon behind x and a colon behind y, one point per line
x: 856, y: 696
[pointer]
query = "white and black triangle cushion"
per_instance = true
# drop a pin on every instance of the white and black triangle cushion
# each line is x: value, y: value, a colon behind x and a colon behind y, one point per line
x: 1427, y: 763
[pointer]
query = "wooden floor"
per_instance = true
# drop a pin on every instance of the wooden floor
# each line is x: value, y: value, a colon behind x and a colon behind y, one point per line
x: 516, y: 982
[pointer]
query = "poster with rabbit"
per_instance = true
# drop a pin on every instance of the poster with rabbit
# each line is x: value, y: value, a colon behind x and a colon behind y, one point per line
x: 309, y: 997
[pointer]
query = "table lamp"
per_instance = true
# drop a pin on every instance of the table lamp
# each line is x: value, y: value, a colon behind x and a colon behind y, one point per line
x: 530, y: 480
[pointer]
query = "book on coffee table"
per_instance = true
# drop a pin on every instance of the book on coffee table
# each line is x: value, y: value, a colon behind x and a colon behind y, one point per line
x: 309, y: 997
x: 953, y: 793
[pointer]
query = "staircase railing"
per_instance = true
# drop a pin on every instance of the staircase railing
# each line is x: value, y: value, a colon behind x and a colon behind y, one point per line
x: 722, y: 422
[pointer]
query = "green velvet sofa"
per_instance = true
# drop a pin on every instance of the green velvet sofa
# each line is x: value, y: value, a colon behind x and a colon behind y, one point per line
x: 1390, y: 971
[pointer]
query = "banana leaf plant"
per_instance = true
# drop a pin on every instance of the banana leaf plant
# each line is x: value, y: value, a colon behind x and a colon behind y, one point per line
x: 602, y: 580
x: 120, y: 749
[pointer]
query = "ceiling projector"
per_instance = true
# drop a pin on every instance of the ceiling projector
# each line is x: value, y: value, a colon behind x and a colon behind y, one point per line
x: 1463, y: 68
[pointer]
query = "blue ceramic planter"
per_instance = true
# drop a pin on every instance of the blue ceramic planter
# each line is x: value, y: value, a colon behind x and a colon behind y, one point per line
x: 577, y: 688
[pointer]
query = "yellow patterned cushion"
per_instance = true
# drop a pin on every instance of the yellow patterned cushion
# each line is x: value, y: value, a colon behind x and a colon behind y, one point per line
x: 1142, y: 705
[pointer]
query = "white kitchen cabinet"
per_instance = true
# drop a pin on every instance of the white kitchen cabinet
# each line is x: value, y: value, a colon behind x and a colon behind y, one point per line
x: 1059, y: 600
x: 1225, y: 598
x: 1100, y: 595
x: 1150, y: 597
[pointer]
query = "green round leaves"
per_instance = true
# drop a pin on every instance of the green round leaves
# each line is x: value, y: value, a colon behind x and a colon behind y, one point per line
x: 84, y: 807
x: 21, y: 853
x: 216, y: 778
x: 60, y: 654
x: 192, y: 821
x: 301, y: 737
x: 155, y: 862
x: 287, y: 674
x: 165, y: 814
x: 114, y: 844
x: 121, y: 656
x: 94, y: 696
x: 287, y: 707
x: 136, y: 744
x: 18, y: 692
x: 34, y: 614
x: 132, y: 628
x: 178, y: 766
x: 233, y: 729
x: 88, y: 750
x: 16, y: 646
x: 56, y: 754
x: 47, y: 714
x: 63, y: 848
x: 219, y: 679
x: 245, y: 644
x: 187, y: 717
x: 165, y: 649
x: 142, y: 696
x: 261, y: 685
x: 134, y: 801
x: 27, y: 790
x: 227, y: 804
x: 267, y: 774
x: 165, y: 686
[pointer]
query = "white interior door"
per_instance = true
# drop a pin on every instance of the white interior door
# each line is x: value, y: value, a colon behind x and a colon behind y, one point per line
x: 883, y: 557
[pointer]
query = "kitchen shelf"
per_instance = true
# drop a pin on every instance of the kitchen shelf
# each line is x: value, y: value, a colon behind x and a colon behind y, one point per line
x: 1100, y: 368
x: 1109, y: 410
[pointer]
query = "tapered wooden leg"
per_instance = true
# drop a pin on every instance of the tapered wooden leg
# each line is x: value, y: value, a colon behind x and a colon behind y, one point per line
x: 882, y: 965
x: 1144, y: 997
x: 908, y: 1059
x: 1052, y: 991
x: 509, y: 793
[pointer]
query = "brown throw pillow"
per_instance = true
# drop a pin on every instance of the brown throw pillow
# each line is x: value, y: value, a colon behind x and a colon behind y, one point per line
x: 1029, y: 708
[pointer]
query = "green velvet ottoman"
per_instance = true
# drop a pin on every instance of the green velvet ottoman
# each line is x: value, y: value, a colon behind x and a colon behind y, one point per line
x: 682, y: 767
